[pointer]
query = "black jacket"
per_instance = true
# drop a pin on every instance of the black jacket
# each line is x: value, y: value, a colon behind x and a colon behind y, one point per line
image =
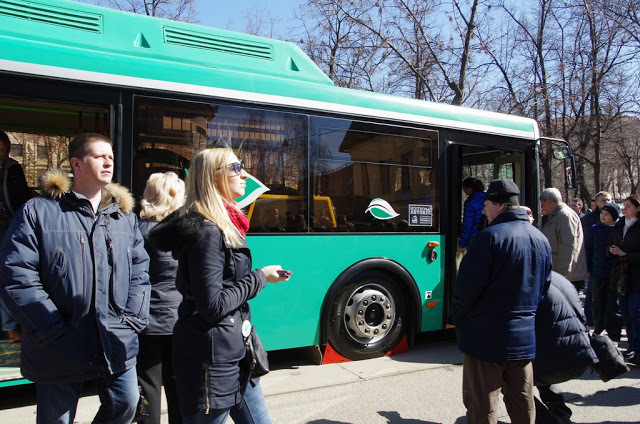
x: 630, y: 244
x: 589, y: 220
x: 165, y: 297
x: 216, y: 282
x: 14, y: 186
x: 563, y: 350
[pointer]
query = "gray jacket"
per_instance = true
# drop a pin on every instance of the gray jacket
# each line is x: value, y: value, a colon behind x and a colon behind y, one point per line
x: 566, y: 237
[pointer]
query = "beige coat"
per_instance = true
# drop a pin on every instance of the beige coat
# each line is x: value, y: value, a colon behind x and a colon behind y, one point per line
x: 564, y: 232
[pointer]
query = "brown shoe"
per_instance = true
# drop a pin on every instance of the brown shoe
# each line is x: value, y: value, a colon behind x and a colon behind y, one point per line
x: 13, y: 335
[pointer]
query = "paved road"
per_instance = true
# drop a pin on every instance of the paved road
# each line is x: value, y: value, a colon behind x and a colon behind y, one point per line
x: 419, y: 387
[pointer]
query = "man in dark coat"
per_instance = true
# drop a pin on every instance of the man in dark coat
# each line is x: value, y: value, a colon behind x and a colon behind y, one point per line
x: 14, y: 192
x: 499, y: 286
x: 74, y: 274
x: 563, y: 349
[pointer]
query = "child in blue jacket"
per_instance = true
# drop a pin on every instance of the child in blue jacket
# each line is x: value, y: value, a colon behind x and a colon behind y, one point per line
x: 604, y: 305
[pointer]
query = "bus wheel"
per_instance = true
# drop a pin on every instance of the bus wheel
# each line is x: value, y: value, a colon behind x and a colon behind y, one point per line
x: 368, y: 316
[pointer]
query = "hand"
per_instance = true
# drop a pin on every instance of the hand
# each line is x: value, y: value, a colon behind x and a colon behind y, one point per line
x: 615, y: 250
x: 462, y: 250
x: 271, y: 272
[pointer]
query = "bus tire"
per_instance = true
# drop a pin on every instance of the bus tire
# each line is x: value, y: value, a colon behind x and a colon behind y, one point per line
x: 367, y: 316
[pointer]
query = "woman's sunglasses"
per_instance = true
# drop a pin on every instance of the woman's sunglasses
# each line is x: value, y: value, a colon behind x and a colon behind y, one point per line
x: 237, y: 167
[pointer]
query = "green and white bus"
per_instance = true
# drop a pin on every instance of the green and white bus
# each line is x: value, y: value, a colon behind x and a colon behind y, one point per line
x: 364, y: 201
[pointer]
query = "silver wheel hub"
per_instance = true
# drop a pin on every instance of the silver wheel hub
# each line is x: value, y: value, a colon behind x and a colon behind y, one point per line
x: 369, y: 314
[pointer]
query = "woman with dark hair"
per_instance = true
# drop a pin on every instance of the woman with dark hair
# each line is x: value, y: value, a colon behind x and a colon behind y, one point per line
x: 472, y: 217
x: 625, y: 247
x: 207, y: 236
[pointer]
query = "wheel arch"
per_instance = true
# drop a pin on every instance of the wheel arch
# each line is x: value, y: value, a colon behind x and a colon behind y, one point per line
x: 376, y: 264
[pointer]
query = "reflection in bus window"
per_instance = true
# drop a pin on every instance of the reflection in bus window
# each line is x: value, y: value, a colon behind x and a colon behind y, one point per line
x: 379, y: 178
x: 40, y: 132
x: 271, y: 144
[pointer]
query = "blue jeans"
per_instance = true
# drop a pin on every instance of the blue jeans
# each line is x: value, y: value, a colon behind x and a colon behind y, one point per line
x: 630, y: 307
x: 118, y: 394
x: 253, y: 410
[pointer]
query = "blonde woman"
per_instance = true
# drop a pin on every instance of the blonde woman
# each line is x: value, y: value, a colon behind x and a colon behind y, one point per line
x: 163, y: 194
x: 215, y: 278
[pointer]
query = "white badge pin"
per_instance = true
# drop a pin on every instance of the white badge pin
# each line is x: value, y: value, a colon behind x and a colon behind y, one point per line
x: 246, y: 328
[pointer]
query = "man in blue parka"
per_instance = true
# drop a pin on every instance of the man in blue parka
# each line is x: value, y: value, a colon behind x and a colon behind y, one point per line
x: 74, y: 274
x: 499, y: 285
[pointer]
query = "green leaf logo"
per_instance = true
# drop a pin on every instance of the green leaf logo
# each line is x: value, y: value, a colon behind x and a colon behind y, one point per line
x: 381, y: 209
x: 253, y: 190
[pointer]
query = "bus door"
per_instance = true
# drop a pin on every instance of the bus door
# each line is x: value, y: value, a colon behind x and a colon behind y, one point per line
x: 485, y: 162
x: 41, y: 117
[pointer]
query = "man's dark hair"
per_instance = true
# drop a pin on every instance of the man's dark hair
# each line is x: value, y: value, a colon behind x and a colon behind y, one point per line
x: 79, y: 145
x: 4, y: 139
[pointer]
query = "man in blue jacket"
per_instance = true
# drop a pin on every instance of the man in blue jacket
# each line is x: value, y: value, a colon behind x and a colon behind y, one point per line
x: 499, y: 285
x: 74, y: 274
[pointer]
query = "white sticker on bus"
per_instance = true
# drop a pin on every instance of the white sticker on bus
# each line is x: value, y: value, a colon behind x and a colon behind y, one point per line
x: 421, y: 215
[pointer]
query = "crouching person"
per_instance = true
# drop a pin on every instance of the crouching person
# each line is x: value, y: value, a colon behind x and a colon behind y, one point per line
x: 563, y: 349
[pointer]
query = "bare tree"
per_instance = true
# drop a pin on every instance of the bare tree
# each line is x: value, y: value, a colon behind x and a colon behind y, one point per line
x: 339, y: 46
x: 414, y: 35
x: 260, y: 22
x: 176, y: 10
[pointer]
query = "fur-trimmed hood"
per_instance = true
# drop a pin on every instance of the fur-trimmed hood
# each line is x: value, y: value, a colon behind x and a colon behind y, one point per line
x: 56, y: 182
x: 177, y: 230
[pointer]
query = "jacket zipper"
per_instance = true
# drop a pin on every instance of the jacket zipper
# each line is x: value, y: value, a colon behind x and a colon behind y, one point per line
x: 112, y: 279
x: 206, y: 387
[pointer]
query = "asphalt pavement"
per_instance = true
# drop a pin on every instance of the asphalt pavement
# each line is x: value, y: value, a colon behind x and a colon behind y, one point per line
x: 422, y: 386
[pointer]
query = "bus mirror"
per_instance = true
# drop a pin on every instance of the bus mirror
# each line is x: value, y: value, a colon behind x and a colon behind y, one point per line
x: 568, y: 173
x: 561, y: 152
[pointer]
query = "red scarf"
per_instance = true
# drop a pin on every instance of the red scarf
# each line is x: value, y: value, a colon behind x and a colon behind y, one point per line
x: 239, y: 220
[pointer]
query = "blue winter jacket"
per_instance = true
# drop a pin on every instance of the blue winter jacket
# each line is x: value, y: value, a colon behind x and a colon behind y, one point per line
x: 596, y: 244
x: 499, y: 285
x: 471, y: 217
x: 76, y: 282
x: 563, y: 349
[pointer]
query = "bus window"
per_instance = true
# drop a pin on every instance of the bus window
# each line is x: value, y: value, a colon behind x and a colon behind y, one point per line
x: 40, y: 132
x: 379, y: 178
x: 281, y: 213
x: 271, y: 144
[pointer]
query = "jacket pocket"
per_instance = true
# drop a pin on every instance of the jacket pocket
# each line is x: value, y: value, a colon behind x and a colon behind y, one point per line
x: 57, y: 270
x: 227, y: 341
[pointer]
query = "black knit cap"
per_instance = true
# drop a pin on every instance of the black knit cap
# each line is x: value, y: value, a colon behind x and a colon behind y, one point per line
x: 503, y: 191
x: 613, y: 209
